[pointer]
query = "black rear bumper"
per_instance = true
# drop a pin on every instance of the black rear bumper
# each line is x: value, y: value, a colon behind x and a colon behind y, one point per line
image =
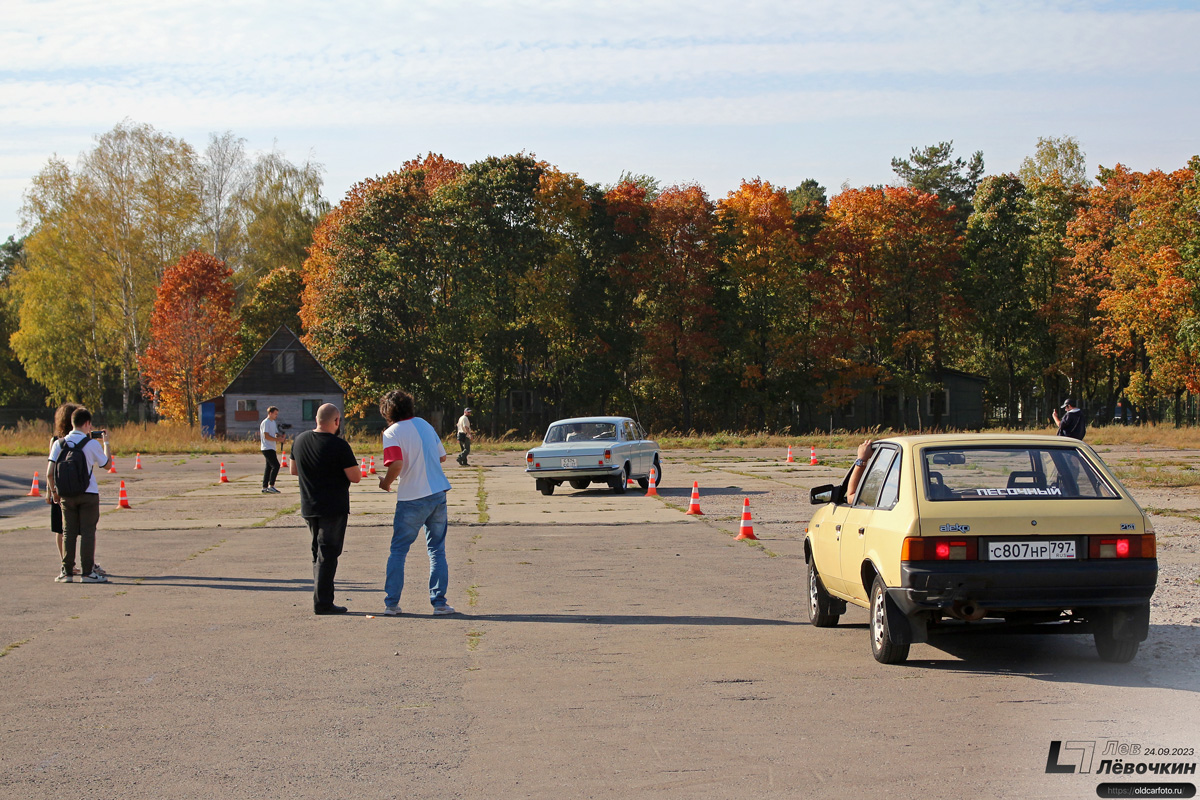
x: 1025, y: 585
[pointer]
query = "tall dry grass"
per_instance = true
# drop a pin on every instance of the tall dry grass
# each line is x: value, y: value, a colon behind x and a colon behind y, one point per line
x: 32, y: 438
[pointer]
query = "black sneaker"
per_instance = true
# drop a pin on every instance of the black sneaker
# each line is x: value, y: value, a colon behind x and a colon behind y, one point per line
x: 329, y: 610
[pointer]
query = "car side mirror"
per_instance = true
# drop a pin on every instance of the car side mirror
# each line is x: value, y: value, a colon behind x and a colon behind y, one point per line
x: 829, y: 493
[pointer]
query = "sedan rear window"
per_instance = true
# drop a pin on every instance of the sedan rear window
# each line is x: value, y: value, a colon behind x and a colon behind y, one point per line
x: 581, y: 432
x: 1012, y: 473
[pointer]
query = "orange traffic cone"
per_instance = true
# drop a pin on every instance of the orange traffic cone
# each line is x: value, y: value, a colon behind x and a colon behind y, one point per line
x: 747, y: 530
x: 35, y: 490
x: 790, y: 460
x: 629, y: 482
x: 812, y: 456
x: 694, y: 506
x: 363, y: 466
x: 137, y: 464
x: 373, y: 465
x: 112, y: 468
x: 653, y: 490
x: 122, y: 498
x: 224, y: 479
x: 283, y: 460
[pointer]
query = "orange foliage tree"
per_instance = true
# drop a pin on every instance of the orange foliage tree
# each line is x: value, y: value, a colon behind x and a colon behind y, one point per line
x: 193, y: 335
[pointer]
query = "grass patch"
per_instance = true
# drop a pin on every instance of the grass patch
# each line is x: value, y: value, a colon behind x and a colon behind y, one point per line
x: 481, y: 499
x: 13, y: 646
x: 473, y: 594
x: 473, y: 638
x: 283, y: 512
x: 1147, y: 475
x: 197, y: 554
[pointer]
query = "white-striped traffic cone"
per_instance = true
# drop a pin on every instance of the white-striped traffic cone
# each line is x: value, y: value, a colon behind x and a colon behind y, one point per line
x: 790, y: 460
x: 363, y: 467
x: 224, y: 478
x: 653, y: 490
x: 373, y: 472
x: 747, y: 529
x: 122, y: 498
x: 137, y: 464
x: 694, y: 506
x: 812, y: 456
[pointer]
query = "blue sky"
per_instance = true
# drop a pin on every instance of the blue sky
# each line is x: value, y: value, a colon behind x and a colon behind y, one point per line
x: 703, y: 91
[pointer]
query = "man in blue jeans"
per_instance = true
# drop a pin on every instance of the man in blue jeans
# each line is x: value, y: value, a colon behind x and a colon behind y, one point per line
x: 413, y: 455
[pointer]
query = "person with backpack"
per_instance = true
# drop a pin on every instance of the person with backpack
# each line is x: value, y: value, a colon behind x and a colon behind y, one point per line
x: 71, y: 478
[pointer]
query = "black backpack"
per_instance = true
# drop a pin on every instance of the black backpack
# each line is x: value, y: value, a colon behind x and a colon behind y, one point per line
x: 72, y: 475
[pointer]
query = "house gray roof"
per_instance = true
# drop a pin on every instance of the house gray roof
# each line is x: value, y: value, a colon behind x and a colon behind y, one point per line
x: 259, y: 376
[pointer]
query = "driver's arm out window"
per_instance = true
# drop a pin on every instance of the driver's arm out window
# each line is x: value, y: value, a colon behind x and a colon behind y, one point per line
x: 868, y: 493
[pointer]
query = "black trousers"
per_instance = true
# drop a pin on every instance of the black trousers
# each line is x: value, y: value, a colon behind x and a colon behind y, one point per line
x: 272, y: 468
x: 464, y: 448
x: 80, y: 516
x: 328, y: 534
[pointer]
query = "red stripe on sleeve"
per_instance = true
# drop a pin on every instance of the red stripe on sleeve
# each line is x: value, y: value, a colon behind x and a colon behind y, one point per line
x: 392, y: 454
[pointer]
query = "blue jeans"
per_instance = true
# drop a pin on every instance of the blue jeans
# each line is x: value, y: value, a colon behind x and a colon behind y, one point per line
x: 429, y: 512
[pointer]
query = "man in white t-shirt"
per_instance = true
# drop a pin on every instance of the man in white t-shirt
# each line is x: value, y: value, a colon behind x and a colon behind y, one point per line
x: 413, y: 454
x: 269, y: 436
x: 464, y: 437
x: 81, y: 512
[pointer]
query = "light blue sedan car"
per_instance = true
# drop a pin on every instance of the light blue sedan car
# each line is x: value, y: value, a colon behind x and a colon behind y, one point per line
x: 585, y: 450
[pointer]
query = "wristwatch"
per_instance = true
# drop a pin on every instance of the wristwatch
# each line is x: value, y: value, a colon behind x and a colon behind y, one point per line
x: 858, y: 462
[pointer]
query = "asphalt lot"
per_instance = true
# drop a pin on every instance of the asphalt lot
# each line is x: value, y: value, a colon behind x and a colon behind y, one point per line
x: 609, y: 646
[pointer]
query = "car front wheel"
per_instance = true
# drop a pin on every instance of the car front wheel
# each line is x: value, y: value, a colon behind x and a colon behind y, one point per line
x: 883, y: 647
x: 821, y: 606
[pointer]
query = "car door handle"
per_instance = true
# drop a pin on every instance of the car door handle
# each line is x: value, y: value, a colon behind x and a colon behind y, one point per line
x: 837, y: 532
x: 862, y: 531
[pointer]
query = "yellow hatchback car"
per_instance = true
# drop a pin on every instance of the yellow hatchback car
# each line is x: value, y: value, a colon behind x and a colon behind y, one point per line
x: 972, y: 533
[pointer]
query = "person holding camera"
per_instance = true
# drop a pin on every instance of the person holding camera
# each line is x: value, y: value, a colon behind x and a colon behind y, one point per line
x: 269, y: 439
x: 71, y: 478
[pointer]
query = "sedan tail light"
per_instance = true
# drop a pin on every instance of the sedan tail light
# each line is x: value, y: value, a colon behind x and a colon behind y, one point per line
x: 1136, y: 546
x: 608, y: 455
x: 939, y: 548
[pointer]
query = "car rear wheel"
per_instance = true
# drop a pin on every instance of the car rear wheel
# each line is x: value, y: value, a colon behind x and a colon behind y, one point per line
x: 580, y: 483
x: 821, y: 606
x: 1117, y: 651
x: 883, y: 647
x: 545, y: 486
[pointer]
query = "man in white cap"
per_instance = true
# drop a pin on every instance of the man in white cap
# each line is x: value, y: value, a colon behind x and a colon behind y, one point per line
x: 464, y: 437
x: 1071, y: 423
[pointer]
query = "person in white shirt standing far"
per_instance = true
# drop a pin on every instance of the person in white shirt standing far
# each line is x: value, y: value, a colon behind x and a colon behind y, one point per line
x: 269, y: 436
x: 464, y: 437
x: 413, y: 455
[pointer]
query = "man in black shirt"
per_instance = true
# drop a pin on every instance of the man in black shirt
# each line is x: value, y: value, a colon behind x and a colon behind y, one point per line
x: 1071, y: 423
x: 326, y: 466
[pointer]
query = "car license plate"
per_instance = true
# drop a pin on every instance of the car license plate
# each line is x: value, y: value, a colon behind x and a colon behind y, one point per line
x: 570, y: 463
x: 1031, y: 551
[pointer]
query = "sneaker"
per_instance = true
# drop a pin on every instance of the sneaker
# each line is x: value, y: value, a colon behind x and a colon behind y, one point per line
x: 322, y: 610
x: 266, y: 490
x: 94, y: 577
x: 64, y: 576
x: 391, y: 611
x: 441, y: 611
x: 273, y: 490
x: 99, y: 570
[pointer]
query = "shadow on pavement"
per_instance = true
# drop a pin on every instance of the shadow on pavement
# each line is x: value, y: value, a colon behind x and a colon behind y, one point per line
x: 626, y: 619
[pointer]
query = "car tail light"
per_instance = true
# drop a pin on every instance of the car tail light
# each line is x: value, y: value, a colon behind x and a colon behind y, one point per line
x: 938, y: 548
x: 529, y: 458
x: 608, y: 455
x: 1122, y: 546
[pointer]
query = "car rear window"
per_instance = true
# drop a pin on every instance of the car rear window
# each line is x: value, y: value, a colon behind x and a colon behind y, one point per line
x: 1012, y: 473
x: 581, y: 432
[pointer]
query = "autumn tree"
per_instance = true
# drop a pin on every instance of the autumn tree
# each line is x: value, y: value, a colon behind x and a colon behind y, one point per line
x: 893, y: 252
x: 193, y: 336
x: 282, y: 205
x: 275, y: 302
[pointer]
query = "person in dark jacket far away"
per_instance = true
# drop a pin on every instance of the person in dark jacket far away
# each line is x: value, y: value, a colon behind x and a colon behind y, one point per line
x: 1071, y: 423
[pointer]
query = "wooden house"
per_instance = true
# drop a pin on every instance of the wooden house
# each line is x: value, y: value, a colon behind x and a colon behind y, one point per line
x: 283, y: 373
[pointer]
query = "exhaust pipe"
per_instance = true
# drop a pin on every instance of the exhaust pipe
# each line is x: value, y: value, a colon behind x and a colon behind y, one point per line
x: 969, y: 611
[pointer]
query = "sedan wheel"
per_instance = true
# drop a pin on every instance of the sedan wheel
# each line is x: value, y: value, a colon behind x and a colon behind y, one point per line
x: 821, y: 607
x: 885, y: 650
x: 1117, y: 651
x: 580, y: 483
x: 545, y: 486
